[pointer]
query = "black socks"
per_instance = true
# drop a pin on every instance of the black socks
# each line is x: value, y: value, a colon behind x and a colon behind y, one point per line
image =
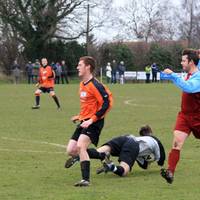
x: 85, y: 170
x: 93, y: 153
x: 37, y: 100
x: 118, y: 170
x: 56, y: 100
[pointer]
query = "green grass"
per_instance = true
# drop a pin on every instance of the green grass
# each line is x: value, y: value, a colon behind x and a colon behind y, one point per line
x: 25, y: 174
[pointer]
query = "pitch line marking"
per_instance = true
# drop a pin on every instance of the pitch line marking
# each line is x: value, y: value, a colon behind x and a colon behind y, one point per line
x: 129, y: 102
x: 34, y: 141
x: 31, y: 151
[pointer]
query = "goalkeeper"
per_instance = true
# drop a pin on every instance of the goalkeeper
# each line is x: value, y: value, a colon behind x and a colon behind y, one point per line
x: 129, y: 148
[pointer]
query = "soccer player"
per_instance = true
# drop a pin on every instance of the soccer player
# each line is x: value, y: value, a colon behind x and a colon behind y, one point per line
x: 45, y: 84
x: 144, y: 149
x: 95, y: 101
x: 188, y: 119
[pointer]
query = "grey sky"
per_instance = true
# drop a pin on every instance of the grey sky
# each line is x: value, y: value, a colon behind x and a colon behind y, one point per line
x: 108, y: 34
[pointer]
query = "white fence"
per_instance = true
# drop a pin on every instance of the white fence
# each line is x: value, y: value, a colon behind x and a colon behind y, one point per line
x: 141, y: 75
x: 137, y: 75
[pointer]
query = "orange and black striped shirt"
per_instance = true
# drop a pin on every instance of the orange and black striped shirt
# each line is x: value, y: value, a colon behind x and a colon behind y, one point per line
x: 95, y: 100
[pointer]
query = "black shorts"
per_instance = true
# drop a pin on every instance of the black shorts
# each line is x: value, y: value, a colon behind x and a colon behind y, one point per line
x: 93, y: 131
x: 124, y: 147
x: 48, y: 90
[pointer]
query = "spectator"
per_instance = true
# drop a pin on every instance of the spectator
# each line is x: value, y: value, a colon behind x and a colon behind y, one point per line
x: 53, y: 65
x: 148, y: 73
x: 16, y: 72
x: 154, y: 69
x: 108, y: 72
x: 64, y: 74
x: 114, y: 71
x: 121, y: 70
x: 58, y: 72
x: 29, y: 70
x: 36, y: 67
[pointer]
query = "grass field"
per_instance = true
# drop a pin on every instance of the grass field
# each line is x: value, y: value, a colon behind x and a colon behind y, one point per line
x: 32, y: 166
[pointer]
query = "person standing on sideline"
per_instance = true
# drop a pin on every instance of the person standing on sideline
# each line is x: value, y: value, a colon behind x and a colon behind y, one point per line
x: 95, y: 102
x: 114, y: 72
x: 154, y: 69
x: 45, y: 83
x: 16, y: 72
x: 121, y: 70
x: 108, y: 72
x: 64, y: 74
x: 29, y: 70
x: 188, y: 119
x: 58, y: 73
x: 148, y: 73
x: 36, y: 67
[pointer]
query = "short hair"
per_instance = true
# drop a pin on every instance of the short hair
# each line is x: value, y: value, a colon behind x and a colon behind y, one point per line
x: 88, y: 60
x: 192, y: 55
x: 145, y: 131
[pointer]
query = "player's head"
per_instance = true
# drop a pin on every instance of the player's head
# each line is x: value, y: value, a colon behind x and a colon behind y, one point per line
x: 190, y: 58
x: 44, y: 62
x: 86, y: 65
x: 145, y: 131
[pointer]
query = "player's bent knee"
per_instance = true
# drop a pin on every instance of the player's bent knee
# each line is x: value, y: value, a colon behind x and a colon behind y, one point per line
x: 179, y: 139
x: 52, y: 94
x: 37, y: 92
x: 71, y: 151
x: 126, y: 171
x: 126, y: 168
x: 81, y: 148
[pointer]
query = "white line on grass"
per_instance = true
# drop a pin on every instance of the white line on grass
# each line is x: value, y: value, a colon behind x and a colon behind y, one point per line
x: 31, y: 151
x: 34, y: 141
x: 130, y: 103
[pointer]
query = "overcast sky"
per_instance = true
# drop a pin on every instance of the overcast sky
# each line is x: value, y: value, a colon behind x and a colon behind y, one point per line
x: 107, y: 34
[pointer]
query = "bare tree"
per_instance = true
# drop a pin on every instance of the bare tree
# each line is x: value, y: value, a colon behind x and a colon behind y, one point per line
x: 147, y: 20
x: 36, y: 22
x: 189, y: 22
x: 8, y: 48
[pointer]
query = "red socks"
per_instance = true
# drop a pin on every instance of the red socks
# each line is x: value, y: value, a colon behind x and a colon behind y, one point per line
x: 173, y: 159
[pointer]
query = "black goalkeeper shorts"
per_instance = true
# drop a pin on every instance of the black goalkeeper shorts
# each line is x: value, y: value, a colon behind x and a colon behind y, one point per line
x: 124, y: 147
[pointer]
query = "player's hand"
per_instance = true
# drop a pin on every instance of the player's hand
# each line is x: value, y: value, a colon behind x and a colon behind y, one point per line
x: 86, y: 123
x: 75, y: 118
x: 168, y: 71
x: 37, y: 85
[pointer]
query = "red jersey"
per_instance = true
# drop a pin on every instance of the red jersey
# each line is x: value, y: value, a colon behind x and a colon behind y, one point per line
x: 95, y: 100
x: 190, y: 102
x: 46, y: 77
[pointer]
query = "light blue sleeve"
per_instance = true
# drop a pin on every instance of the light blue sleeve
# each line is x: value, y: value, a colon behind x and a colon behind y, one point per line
x: 198, y: 65
x: 164, y: 76
x: 192, y: 85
